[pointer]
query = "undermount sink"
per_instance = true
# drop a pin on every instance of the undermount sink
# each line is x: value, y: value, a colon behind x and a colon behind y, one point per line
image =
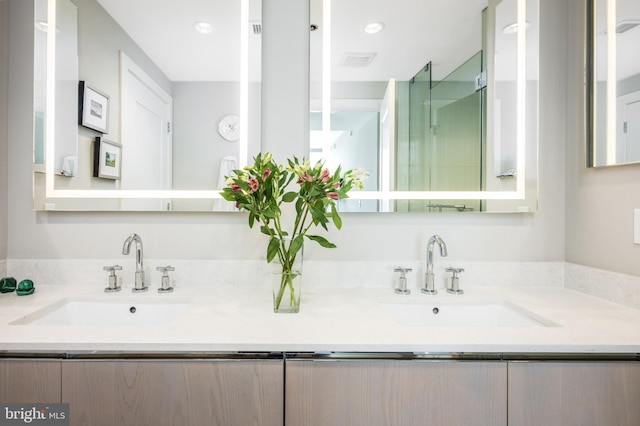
x: 449, y: 313
x: 141, y: 312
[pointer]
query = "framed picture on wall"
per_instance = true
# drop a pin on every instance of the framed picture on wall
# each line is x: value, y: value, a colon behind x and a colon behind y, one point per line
x: 93, y: 108
x: 107, y: 159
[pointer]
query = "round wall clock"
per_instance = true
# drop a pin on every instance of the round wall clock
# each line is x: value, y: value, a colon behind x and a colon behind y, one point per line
x: 229, y: 127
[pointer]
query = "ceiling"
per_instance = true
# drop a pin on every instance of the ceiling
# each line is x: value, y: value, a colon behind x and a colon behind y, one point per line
x: 445, y: 33
x: 165, y: 31
x: 627, y: 58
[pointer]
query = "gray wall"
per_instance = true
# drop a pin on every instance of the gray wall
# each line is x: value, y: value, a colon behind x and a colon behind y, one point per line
x: 600, y: 202
x: 4, y: 79
x: 477, y: 237
x: 198, y: 148
x: 100, y: 68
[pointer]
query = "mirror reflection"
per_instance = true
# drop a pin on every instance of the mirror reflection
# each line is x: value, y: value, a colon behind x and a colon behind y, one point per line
x: 434, y: 99
x: 615, y: 82
x: 168, y: 97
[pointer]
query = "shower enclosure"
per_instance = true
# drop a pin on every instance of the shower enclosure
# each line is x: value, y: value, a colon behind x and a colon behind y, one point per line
x: 445, y: 147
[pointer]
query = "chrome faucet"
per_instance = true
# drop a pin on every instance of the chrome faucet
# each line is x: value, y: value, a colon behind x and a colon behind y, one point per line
x: 429, y: 279
x: 139, y: 284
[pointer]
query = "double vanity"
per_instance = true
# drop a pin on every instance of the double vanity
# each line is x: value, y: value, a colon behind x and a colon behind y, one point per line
x: 363, y: 350
x: 217, y: 354
x: 219, y: 318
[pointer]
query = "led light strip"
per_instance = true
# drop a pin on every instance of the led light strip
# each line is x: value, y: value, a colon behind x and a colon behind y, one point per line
x: 521, y: 89
x: 50, y: 103
x: 611, y: 82
x: 244, y: 84
x: 326, y: 77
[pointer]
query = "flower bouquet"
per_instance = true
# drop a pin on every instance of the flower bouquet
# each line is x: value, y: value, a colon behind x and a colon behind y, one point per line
x: 264, y: 188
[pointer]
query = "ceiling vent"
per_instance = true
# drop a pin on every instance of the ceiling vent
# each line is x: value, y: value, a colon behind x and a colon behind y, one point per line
x: 256, y: 28
x: 624, y: 26
x: 357, y: 60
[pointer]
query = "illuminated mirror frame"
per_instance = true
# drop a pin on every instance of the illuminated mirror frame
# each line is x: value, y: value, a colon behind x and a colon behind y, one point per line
x: 52, y: 193
x: 521, y: 80
x: 611, y: 86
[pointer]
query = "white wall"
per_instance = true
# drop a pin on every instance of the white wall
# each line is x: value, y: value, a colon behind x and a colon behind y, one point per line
x: 477, y: 237
x: 600, y: 202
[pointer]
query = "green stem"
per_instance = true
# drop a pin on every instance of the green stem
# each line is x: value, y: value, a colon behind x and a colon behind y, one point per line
x: 300, y: 223
x: 286, y: 280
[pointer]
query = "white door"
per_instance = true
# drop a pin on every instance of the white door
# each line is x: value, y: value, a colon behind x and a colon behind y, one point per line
x: 388, y: 143
x: 146, y: 111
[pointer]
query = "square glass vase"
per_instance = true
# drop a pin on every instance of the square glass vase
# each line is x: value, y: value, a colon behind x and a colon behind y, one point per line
x: 287, y: 288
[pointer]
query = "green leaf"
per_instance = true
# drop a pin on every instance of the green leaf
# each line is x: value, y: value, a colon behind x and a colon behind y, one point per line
x: 295, y: 246
x: 289, y: 178
x: 315, y: 192
x: 265, y: 230
x: 336, y: 174
x: 321, y: 240
x: 252, y: 218
x: 336, y: 217
x: 272, y: 248
x: 228, y: 195
x: 243, y: 205
x: 289, y: 196
x: 318, y: 215
x: 268, y: 212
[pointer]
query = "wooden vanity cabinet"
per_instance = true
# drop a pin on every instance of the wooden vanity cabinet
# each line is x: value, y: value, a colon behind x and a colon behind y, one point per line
x: 574, y: 393
x: 29, y: 381
x: 168, y: 392
x: 320, y: 391
x: 391, y: 392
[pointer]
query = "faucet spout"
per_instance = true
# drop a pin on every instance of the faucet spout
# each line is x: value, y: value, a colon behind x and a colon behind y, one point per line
x: 429, y: 276
x: 139, y: 283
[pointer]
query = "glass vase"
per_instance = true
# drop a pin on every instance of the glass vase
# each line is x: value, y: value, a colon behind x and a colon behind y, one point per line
x: 287, y: 283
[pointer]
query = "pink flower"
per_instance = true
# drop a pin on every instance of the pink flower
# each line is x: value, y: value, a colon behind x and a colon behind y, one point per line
x: 324, y: 176
x: 305, y: 177
x: 333, y: 195
x: 266, y: 173
x: 235, y: 187
x: 336, y: 185
x: 253, y: 184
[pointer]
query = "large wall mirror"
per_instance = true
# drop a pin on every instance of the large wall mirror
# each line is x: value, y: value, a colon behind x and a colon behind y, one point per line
x: 437, y: 100
x: 614, y: 82
x: 143, y: 105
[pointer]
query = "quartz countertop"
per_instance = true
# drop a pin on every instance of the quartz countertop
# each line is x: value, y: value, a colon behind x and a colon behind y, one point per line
x: 240, y: 319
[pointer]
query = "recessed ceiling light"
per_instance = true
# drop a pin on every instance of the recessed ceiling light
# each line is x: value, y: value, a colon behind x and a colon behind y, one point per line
x: 203, y: 27
x: 513, y: 28
x: 43, y: 26
x: 373, y: 27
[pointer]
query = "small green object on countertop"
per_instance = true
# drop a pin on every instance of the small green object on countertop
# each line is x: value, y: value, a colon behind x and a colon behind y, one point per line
x: 25, y: 287
x: 7, y: 284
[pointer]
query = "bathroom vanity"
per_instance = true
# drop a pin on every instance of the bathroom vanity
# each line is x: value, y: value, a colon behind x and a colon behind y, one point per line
x: 226, y: 359
x: 360, y: 389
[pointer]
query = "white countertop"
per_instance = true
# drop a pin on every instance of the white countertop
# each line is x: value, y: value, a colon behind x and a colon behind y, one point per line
x: 233, y: 319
